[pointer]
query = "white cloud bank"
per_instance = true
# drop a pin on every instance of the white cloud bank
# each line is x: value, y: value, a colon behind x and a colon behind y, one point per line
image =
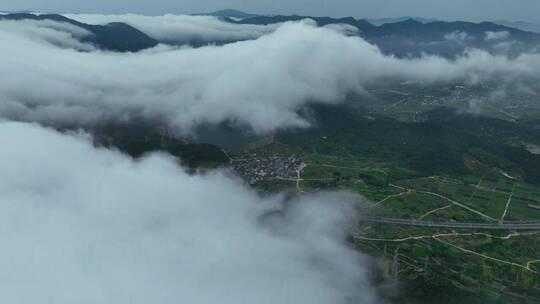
x: 60, y: 34
x: 259, y: 84
x: 86, y: 225
x: 182, y: 28
x: 501, y: 35
x: 458, y: 37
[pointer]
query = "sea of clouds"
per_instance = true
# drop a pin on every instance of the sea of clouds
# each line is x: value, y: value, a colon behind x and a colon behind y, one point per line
x: 260, y: 85
x: 81, y: 224
x: 179, y: 29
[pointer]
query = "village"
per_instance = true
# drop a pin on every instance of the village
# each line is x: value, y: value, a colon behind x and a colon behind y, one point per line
x: 254, y: 169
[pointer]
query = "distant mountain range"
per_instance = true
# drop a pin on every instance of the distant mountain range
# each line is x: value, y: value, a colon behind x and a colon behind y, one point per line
x: 412, y: 38
x: 381, y: 21
x: 115, y: 36
x: 409, y: 37
x: 522, y: 25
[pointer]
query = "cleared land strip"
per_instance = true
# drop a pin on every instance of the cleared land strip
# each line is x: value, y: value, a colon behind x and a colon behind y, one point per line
x: 474, y: 226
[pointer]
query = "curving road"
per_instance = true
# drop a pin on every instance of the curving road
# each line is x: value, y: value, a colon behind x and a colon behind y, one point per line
x: 473, y: 226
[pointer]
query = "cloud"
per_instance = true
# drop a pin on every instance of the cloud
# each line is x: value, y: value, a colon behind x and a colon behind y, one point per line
x: 179, y: 29
x: 458, y: 37
x: 505, y: 46
x: 345, y: 29
x: 501, y: 35
x: 60, y: 34
x: 93, y: 226
x: 258, y: 85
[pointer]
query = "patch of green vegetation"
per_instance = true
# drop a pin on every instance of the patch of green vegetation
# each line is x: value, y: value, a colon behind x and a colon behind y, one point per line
x: 436, y: 145
x: 420, y: 171
x: 140, y: 139
x: 440, y: 265
x: 274, y: 186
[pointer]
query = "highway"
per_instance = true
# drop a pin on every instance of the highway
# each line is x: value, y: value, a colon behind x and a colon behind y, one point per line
x: 473, y: 226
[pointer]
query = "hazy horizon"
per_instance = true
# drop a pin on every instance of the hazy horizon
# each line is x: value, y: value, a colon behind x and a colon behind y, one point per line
x: 482, y: 10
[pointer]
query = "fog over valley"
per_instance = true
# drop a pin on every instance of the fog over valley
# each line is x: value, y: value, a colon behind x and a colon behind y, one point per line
x: 242, y: 158
x: 186, y: 87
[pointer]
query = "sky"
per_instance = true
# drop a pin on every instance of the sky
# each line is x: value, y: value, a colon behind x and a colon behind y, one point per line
x: 441, y: 9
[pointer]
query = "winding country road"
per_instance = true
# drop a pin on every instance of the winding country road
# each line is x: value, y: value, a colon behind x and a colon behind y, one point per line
x: 475, y: 226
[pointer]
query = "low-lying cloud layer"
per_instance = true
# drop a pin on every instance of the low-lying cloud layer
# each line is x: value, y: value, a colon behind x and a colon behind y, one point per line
x: 179, y: 29
x: 86, y: 225
x: 258, y: 84
x: 501, y: 35
x: 59, y: 34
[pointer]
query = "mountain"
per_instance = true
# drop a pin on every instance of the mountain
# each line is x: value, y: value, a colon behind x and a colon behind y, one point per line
x: 411, y: 37
x: 522, y: 25
x: 229, y: 13
x: 116, y: 36
x: 451, y: 38
x: 361, y: 24
x: 381, y: 21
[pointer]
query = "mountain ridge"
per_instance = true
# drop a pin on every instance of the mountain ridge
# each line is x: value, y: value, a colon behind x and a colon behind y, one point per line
x: 104, y: 36
x: 409, y: 37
